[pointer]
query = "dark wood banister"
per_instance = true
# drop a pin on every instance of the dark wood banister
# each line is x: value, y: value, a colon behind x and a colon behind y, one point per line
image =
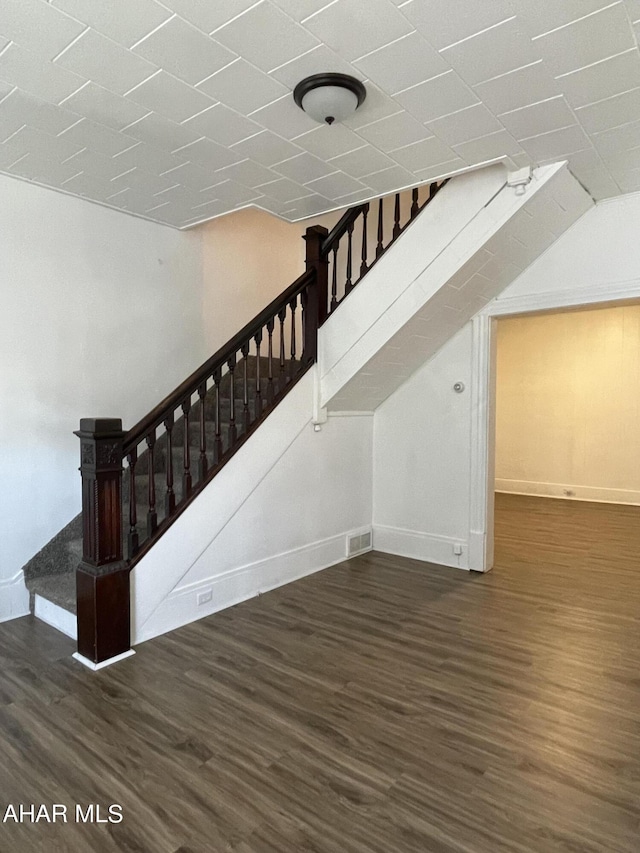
x: 102, y: 578
x: 340, y: 228
x: 190, y: 385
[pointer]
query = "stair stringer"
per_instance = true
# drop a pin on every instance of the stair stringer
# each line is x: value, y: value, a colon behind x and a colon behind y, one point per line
x: 314, y: 488
x: 471, y: 242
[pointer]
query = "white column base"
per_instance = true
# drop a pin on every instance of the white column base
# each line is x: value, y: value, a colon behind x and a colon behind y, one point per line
x: 96, y: 666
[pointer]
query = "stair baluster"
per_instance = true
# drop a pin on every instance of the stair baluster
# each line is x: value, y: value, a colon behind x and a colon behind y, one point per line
x: 152, y: 515
x: 169, y: 498
x: 380, y: 247
x: 217, y: 447
x: 246, y: 419
x: 270, y: 326
x: 233, y: 429
x: 258, y: 404
x: 186, y: 450
x: 397, y: 230
x: 203, y: 462
x: 349, y: 284
x: 415, y: 208
x: 132, y: 541
x: 363, y: 265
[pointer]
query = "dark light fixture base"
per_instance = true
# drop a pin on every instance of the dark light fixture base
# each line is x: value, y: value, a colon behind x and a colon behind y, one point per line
x: 329, y: 79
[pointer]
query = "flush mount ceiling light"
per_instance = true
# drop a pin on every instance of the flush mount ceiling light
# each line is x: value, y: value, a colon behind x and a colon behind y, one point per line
x: 329, y: 97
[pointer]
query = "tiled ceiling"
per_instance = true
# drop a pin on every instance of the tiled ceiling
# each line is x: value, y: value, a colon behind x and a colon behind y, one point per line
x: 181, y: 110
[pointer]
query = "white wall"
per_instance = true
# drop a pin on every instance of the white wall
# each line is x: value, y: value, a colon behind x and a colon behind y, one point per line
x: 596, y: 260
x: 421, y: 458
x: 101, y: 316
x: 281, y: 508
x: 568, y: 404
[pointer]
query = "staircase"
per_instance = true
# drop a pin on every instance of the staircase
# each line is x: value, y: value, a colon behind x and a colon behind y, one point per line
x: 142, y: 484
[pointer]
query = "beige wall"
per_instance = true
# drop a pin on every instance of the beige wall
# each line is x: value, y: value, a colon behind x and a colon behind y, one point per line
x: 249, y: 257
x: 568, y: 404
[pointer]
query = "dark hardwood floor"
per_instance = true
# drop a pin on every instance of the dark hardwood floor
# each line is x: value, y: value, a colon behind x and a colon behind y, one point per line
x: 381, y: 706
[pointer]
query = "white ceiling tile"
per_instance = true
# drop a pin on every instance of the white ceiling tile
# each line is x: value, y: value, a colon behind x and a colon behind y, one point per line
x: 422, y: 155
x: 184, y: 51
x: 120, y: 20
x: 352, y: 28
x: 304, y: 168
x: 364, y: 161
x: 376, y: 105
x: 335, y: 185
x: 556, y: 144
x: 316, y: 61
x: 487, y: 147
x: 489, y: 54
x: 88, y: 134
x: 231, y: 193
x: 32, y: 141
x: 466, y: 124
x: 243, y: 87
x: 89, y: 186
x: 37, y: 26
x: 284, y: 190
x: 208, y: 154
x: 617, y: 139
x: 285, y: 117
x: 170, y: 97
x: 437, y: 97
x: 143, y: 181
x: 266, y: 37
x: 37, y: 167
x: 301, y: 9
x: 621, y: 161
x: 247, y: 172
x: 327, y: 142
x: 519, y: 88
x: 394, y: 131
x: 402, y: 64
x: 98, y: 165
x: 105, y: 62
x: 103, y: 106
x: 310, y: 206
x: 538, y: 18
x: 267, y: 148
x: 20, y: 108
x: 223, y: 125
x: 441, y: 170
x: 146, y: 157
x: 389, y: 180
x: 161, y: 132
x: 587, y: 40
x: 602, y: 80
x: 208, y: 15
x: 445, y: 26
x: 35, y: 75
x: 538, y: 118
x: 612, y: 112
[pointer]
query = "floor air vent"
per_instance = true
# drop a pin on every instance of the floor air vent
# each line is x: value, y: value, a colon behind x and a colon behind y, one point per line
x: 358, y: 543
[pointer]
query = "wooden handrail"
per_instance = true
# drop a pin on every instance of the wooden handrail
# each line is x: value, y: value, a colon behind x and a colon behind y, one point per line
x: 190, y: 385
x: 341, y: 226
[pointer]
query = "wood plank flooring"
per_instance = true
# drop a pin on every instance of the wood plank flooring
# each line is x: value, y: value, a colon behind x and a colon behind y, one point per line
x: 381, y: 706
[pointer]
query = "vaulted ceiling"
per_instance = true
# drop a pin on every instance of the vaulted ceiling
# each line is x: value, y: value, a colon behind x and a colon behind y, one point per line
x: 181, y: 110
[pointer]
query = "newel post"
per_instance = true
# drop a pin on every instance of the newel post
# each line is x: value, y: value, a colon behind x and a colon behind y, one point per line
x: 315, y: 259
x: 102, y: 577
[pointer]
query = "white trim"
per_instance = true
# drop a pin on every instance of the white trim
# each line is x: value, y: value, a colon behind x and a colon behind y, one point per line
x: 361, y: 414
x: 420, y: 546
x: 594, y: 494
x: 244, y: 582
x: 55, y: 616
x: 605, y: 293
x: 14, y: 598
x: 96, y: 666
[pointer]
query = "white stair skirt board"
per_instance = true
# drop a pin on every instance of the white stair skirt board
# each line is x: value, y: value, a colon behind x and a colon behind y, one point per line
x: 243, y: 583
x: 96, y: 666
x: 594, y: 494
x: 421, y: 546
x: 14, y: 598
x: 56, y: 616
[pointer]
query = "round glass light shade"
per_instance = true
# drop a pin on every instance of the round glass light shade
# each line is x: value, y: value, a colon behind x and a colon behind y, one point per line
x: 330, y: 103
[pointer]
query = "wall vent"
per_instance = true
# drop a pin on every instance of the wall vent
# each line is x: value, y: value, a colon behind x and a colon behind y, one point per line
x: 358, y: 543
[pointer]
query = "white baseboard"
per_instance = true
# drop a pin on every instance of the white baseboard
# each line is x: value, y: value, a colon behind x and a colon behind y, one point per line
x: 98, y: 666
x: 593, y: 494
x: 420, y: 546
x: 242, y: 583
x: 14, y: 598
x: 56, y: 616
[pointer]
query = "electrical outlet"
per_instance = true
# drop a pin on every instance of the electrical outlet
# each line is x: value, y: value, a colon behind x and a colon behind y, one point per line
x: 205, y: 596
x: 568, y: 492
x: 457, y: 549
